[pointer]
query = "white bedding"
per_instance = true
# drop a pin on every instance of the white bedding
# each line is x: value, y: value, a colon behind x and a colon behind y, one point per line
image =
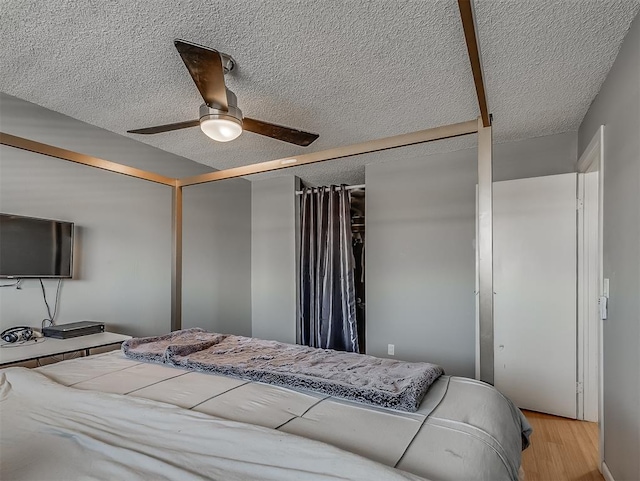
x: 51, y: 432
x: 463, y: 430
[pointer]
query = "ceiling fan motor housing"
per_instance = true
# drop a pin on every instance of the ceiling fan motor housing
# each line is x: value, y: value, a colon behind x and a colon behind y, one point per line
x: 233, y: 113
x: 222, y: 124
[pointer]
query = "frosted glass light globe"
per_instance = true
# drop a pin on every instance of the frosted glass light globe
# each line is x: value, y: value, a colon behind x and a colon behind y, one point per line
x: 222, y: 130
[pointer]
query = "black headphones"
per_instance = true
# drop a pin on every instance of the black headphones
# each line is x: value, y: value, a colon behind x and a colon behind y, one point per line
x: 18, y: 333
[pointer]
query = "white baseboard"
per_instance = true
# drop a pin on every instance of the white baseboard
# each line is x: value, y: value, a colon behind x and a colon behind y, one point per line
x: 606, y: 473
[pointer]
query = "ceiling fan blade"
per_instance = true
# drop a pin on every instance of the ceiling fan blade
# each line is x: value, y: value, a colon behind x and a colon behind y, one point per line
x: 279, y: 132
x: 205, y: 66
x: 165, y: 128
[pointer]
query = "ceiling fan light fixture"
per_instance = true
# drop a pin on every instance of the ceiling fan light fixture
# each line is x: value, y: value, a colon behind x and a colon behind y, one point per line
x: 221, y: 128
x: 220, y: 118
x: 221, y: 125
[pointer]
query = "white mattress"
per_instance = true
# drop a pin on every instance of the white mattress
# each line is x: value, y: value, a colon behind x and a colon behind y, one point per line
x: 464, y: 429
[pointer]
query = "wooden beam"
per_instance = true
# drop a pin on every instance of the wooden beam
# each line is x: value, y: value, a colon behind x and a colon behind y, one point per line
x: 468, y: 25
x: 485, y: 251
x: 403, y: 140
x: 58, y: 153
x: 176, y: 260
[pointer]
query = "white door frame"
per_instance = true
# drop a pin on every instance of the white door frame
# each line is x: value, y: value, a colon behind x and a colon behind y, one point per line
x: 592, y: 160
x: 588, y: 295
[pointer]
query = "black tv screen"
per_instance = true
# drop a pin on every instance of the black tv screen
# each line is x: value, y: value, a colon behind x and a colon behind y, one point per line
x: 32, y: 247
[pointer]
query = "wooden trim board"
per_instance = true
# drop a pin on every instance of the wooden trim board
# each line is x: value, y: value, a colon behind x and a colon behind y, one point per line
x: 387, y: 143
x: 469, y: 27
x: 71, y: 156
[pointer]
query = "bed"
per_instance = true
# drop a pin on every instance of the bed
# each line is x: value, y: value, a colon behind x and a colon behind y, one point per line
x: 143, y: 420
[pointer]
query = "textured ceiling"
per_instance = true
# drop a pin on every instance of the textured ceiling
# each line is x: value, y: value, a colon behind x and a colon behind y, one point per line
x: 350, y: 71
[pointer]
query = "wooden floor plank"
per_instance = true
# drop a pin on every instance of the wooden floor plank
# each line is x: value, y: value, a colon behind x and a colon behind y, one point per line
x: 561, y: 450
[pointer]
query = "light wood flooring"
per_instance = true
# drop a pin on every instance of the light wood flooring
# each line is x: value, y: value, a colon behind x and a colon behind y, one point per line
x: 561, y: 450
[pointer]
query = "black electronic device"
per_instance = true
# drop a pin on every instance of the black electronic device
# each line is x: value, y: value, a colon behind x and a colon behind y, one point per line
x: 31, y: 247
x: 73, y: 329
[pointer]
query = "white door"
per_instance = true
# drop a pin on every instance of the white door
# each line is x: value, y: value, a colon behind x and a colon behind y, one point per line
x: 535, y: 277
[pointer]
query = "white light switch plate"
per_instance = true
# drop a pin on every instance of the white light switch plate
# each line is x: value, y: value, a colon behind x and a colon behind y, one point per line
x: 603, y: 307
x: 391, y: 349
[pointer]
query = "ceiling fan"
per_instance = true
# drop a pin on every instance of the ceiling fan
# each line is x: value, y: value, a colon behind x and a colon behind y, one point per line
x: 220, y: 118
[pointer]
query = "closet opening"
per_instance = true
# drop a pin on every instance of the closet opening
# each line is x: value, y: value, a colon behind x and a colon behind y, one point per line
x: 358, y: 244
x: 331, y: 294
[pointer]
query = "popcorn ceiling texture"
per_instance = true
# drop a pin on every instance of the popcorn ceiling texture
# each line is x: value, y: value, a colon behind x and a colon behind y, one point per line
x: 544, y: 61
x: 351, y: 71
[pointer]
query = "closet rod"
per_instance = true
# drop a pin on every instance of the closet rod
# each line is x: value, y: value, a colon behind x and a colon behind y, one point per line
x: 348, y: 187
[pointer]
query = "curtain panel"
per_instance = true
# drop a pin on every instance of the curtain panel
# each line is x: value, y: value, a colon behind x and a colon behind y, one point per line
x: 327, y: 291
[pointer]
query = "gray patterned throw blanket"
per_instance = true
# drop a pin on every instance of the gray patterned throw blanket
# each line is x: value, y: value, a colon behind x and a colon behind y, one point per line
x: 367, y: 379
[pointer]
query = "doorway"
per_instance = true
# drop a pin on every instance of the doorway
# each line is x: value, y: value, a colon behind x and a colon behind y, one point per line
x: 331, y: 291
x: 593, y: 289
x: 358, y: 244
x: 590, y: 298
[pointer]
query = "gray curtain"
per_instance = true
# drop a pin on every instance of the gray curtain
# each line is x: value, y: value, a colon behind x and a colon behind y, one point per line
x: 327, y: 292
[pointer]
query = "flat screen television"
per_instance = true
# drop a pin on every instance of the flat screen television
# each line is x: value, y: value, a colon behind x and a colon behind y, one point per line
x: 31, y: 247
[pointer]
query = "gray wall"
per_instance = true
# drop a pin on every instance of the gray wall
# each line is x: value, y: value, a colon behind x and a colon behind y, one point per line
x: 548, y: 155
x: 217, y: 257
x: 420, y: 257
x: 123, y: 254
x: 420, y: 252
x: 617, y: 106
x: 420, y: 260
x: 274, y: 274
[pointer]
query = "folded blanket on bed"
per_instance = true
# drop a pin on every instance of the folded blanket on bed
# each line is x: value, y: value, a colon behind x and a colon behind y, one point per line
x: 380, y: 382
x: 163, y: 348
